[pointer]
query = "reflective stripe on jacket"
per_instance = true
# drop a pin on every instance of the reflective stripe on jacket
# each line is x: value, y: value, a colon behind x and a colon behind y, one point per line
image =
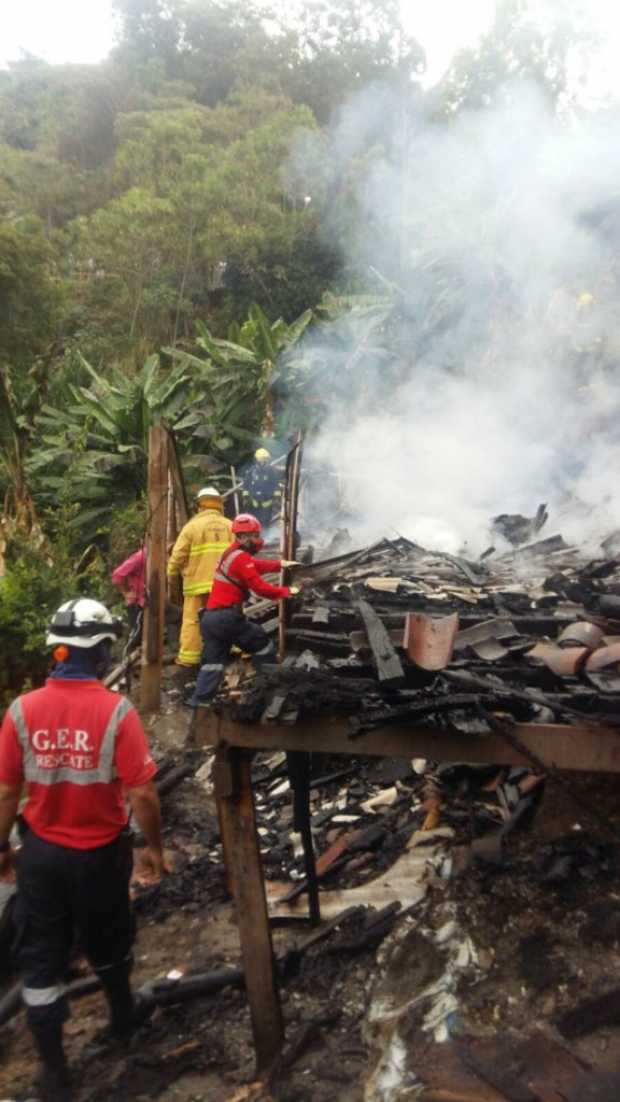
x: 238, y: 574
x: 198, y: 549
x: 76, y: 745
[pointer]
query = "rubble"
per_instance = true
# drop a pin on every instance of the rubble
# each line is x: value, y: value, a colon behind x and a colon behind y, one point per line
x: 382, y: 634
x: 460, y: 956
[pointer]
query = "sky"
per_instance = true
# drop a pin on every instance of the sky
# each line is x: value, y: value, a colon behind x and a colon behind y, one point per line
x: 82, y: 30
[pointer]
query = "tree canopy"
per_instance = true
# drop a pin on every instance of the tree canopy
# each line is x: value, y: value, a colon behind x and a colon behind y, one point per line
x: 175, y: 220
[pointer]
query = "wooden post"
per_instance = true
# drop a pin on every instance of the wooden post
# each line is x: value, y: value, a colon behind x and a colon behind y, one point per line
x: 237, y: 816
x: 233, y: 475
x: 176, y: 474
x: 153, y: 628
x: 290, y: 500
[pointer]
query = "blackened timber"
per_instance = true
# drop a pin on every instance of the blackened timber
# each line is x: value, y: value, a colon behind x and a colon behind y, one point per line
x: 241, y: 848
x: 389, y: 666
x: 319, y: 637
x: 299, y: 773
x: 496, y: 688
x: 376, y: 717
x: 581, y: 747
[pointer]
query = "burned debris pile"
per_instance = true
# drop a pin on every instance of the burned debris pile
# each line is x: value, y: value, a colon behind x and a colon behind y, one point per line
x: 398, y: 634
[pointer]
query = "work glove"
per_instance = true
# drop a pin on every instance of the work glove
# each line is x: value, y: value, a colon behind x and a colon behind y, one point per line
x: 289, y: 562
x: 294, y: 590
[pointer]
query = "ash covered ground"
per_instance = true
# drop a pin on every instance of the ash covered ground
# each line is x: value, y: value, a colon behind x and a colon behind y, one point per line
x: 494, y: 893
x: 544, y: 922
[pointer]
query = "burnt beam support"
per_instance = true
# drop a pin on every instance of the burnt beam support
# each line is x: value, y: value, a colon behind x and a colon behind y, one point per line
x: 578, y: 747
x: 241, y: 848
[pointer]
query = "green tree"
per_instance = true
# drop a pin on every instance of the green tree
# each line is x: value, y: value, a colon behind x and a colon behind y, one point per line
x: 535, y: 44
x: 345, y: 46
x: 31, y: 294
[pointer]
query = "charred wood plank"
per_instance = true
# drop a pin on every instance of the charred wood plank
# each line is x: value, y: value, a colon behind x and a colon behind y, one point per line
x: 531, y: 696
x: 498, y: 1063
x: 321, y: 614
x: 389, y: 666
x: 476, y: 577
x: 415, y: 711
x: 173, y: 777
x: 274, y: 708
x: 591, y: 1014
x: 580, y: 746
x: 122, y: 667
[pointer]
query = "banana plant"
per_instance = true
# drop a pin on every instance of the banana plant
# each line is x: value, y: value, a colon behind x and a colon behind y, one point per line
x: 95, y: 448
x: 241, y: 376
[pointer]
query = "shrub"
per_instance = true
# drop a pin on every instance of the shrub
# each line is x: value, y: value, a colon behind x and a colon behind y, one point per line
x: 37, y: 581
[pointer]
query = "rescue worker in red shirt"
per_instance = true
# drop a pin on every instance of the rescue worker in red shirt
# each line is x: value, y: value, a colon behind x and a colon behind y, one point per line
x: 78, y: 748
x: 222, y: 623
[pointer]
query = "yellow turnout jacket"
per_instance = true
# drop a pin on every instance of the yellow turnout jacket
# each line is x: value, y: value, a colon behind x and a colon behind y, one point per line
x: 198, y: 549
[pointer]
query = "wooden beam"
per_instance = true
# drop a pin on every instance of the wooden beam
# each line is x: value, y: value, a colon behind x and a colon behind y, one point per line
x: 240, y: 842
x: 290, y: 501
x: 178, y: 482
x: 153, y: 627
x: 581, y: 748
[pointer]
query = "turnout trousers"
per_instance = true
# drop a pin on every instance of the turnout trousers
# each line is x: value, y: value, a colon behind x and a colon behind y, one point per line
x: 221, y: 629
x: 64, y: 894
x: 190, y: 644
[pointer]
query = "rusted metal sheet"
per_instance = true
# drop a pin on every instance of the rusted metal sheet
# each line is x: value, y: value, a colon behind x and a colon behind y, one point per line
x: 583, y: 634
x: 563, y: 661
x: 429, y: 641
x: 580, y: 747
x: 605, y: 656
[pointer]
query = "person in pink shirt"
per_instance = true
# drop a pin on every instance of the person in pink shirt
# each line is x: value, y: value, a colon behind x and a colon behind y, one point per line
x: 129, y: 577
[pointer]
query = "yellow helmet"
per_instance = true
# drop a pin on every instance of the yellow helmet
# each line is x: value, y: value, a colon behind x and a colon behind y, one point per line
x: 262, y: 455
x: 585, y: 299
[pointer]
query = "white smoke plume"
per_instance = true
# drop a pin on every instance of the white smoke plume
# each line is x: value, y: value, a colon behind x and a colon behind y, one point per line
x: 500, y: 230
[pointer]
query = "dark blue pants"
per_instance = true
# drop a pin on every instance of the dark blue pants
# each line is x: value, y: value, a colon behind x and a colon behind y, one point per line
x: 62, y: 894
x: 221, y: 629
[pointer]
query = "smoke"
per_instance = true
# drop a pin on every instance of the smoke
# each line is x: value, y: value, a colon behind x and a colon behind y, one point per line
x: 485, y: 379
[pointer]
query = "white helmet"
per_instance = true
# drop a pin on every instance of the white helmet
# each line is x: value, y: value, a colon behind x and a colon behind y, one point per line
x: 83, y: 623
x: 208, y: 491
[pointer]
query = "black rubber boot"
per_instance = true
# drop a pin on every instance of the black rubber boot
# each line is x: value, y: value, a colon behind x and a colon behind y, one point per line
x: 126, y: 1012
x: 54, y: 1080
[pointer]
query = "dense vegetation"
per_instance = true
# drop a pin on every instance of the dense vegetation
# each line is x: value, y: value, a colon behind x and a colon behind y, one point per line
x: 159, y: 257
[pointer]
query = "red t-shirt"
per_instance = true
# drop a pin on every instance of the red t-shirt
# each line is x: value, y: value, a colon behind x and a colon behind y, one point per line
x: 76, y: 745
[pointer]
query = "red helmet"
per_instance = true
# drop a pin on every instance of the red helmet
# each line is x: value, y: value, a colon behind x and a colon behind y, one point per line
x: 245, y: 524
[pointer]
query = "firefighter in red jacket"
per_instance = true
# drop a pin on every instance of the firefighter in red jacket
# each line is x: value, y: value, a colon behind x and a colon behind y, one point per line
x: 78, y: 748
x: 223, y: 624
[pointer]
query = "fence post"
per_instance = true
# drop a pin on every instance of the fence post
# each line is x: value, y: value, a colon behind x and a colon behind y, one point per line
x: 154, y: 610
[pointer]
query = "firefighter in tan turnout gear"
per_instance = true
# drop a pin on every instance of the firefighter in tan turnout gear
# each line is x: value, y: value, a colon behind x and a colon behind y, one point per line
x: 195, y: 555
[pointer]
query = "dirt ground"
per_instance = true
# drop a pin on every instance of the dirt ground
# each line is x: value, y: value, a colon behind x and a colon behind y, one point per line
x: 545, y: 924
